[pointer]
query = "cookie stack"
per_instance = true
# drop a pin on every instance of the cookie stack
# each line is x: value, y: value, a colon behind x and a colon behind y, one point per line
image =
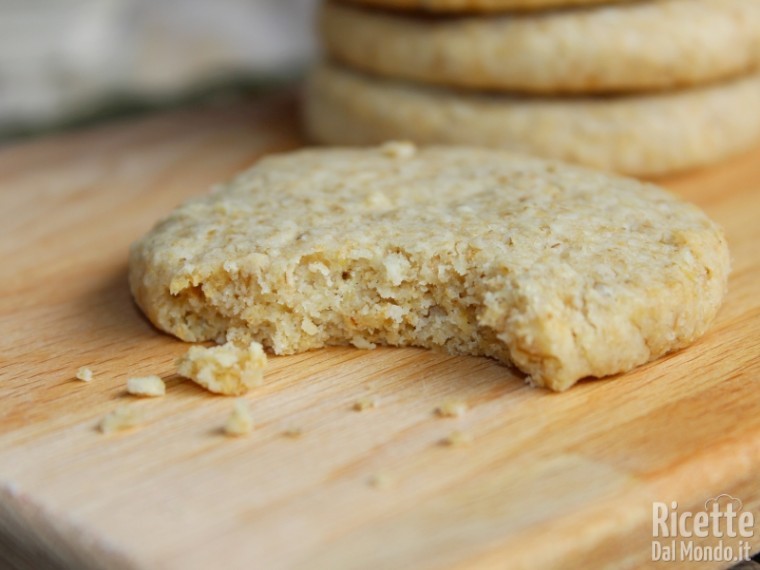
x: 643, y: 87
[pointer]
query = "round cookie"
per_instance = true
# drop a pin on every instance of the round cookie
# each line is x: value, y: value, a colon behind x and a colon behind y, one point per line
x: 458, y: 6
x: 562, y: 271
x: 642, y: 135
x: 631, y: 47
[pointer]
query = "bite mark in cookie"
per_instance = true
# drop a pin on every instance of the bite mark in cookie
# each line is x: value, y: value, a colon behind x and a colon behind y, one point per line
x: 562, y: 271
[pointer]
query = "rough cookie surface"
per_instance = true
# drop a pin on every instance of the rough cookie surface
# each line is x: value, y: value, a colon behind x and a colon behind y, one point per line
x: 635, y: 46
x: 644, y: 135
x: 228, y: 369
x: 562, y: 271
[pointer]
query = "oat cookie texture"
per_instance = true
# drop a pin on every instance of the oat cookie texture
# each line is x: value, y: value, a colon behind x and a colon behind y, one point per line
x: 643, y: 135
x: 635, y: 46
x: 561, y: 271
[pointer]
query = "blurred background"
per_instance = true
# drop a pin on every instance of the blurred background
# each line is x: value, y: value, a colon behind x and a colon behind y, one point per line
x: 69, y: 62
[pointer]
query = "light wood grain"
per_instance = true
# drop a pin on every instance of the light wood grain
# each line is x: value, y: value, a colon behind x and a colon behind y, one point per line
x: 549, y: 480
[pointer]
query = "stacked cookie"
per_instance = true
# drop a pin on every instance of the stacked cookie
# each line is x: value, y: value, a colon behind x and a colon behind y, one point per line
x: 643, y: 87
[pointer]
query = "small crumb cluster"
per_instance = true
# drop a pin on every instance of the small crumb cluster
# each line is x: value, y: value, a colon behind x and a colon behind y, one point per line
x: 457, y: 439
x: 84, y: 374
x: 227, y: 369
x: 451, y: 409
x: 146, y: 386
x: 240, y: 421
x: 124, y: 417
x: 231, y: 369
x: 365, y: 404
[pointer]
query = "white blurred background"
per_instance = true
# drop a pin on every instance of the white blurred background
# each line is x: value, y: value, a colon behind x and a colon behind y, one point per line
x: 68, y: 58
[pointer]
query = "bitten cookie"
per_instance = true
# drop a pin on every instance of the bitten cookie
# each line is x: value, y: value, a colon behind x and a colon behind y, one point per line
x: 448, y: 6
x: 642, y: 135
x: 659, y: 44
x: 562, y: 271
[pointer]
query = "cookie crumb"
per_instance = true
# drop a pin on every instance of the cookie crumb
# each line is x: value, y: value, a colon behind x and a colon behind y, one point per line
x: 122, y: 418
x: 457, y: 439
x: 146, y: 386
x: 381, y: 481
x: 293, y: 433
x: 84, y: 374
x: 399, y: 149
x: 226, y: 369
x: 451, y: 409
x: 366, y: 403
x: 362, y: 343
x: 240, y: 421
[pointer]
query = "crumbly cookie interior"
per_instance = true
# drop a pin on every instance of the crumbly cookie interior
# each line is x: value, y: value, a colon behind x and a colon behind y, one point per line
x: 561, y: 271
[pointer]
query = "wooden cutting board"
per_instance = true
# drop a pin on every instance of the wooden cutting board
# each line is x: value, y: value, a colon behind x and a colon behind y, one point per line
x: 549, y: 480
